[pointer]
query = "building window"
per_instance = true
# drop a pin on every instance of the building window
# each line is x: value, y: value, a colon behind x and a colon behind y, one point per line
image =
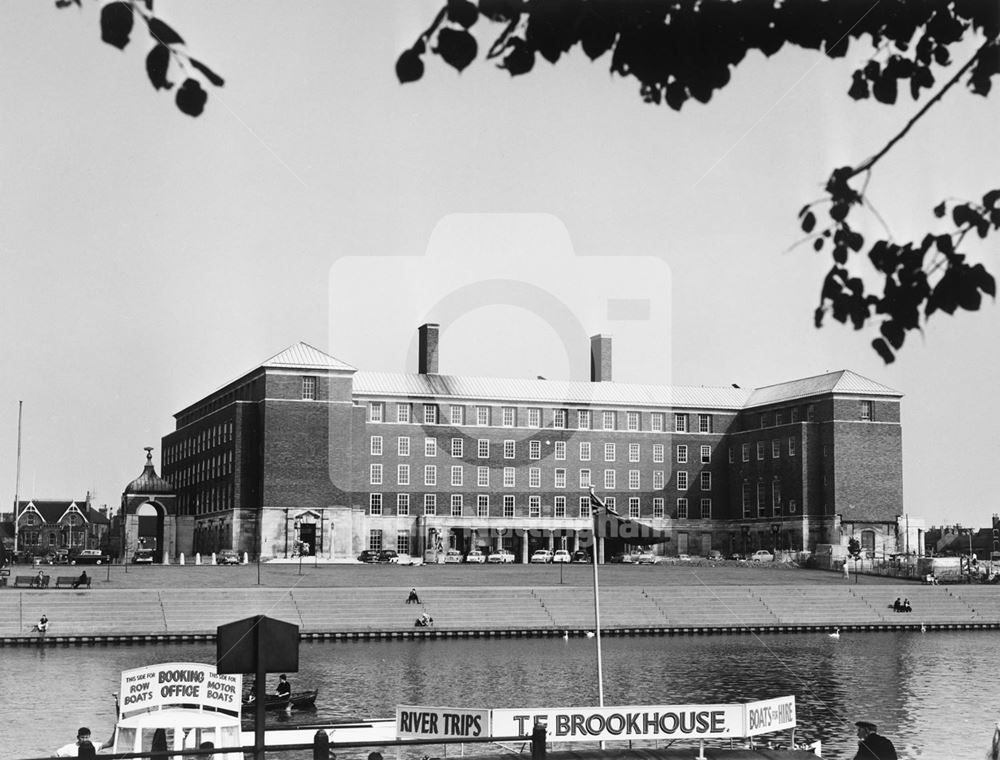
x: 658, y: 504
x: 430, y: 504
x: 430, y: 414
x: 308, y: 388
x: 534, y: 449
x: 456, y: 475
x: 706, y: 454
x: 656, y: 422
x: 776, y: 448
x: 403, y: 445
x: 609, y: 479
x: 509, y: 416
x: 458, y: 415
x: 747, y: 501
x: 704, y: 423
x: 760, y: 451
x: 535, y: 418
x: 811, y: 413
x: 761, y: 499
x: 430, y: 475
x: 583, y: 419
x: 403, y: 504
x: 633, y: 506
x: 680, y: 423
x: 776, y: 495
x: 375, y: 475
x: 585, y: 479
x: 867, y: 411
x: 559, y: 418
x: 430, y: 447
x: 560, y: 450
x: 534, y: 477
x: 534, y: 506
x: 403, y: 543
x: 403, y: 412
x: 633, y: 452
x: 375, y: 411
x: 633, y: 480
x: 791, y: 506
x: 608, y: 420
x: 658, y: 453
x: 482, y: 415
x: 706, y: 508
x: 682, y: 508
x: 584, y: 506
x: 482, y: 476
x: 609, y: 452
x: 457, y: 447
x: 659, y: 481
x: 682, y: 480
x: 706, y: 481
x: 376, y: 445
x: 560, y: 477
x: 375, y: 503
x: 508, y: 477
x: 763, y: 420
x: 795, y: 414
x: 746, y: 452
x: 457, y: 505
x: 509, y: 448
x: 483, y: 448
x: 791, y: 447
x: 779, y: 418
x: 584, y: 451
x: 559, y: 506
x: 375, y: 540
x: 483, y: 505
x: 610, y: 502
x: 508, y: 505
x: 632, y: 420
x: 682, y: 454
x: 403, y: 474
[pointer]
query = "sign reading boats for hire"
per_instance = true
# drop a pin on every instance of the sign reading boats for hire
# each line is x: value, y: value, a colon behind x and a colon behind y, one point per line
x: 441, y: 723
x: 770, y: 715
x: 179, y: 683
x: 587, y: 724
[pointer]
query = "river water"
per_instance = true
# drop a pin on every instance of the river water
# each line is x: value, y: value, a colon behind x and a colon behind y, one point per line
x: 932, y: 693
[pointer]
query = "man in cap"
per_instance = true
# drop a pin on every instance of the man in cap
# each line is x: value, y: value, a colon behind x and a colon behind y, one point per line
x: 871, y: 744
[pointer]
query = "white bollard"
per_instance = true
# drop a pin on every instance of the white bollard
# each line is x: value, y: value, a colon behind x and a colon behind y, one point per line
x: 213, y: 558
x: 197, y: 558
x: 246, y: 558
x: 166, y: 558
x: 181, y: 559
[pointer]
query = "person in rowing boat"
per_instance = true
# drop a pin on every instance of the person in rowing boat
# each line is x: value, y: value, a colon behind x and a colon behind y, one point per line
x: 82, y: 737
x: 871, y: 744
x: 284, y: 690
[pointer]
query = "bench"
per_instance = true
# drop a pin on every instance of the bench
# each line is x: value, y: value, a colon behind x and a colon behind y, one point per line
x: 67, y: 581
x: 4, y: 575
x: 29, y: 581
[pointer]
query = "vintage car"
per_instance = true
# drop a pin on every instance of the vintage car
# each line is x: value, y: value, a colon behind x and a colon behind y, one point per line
x: 476, y: 557
x: 541, y: 557
x: 500, y: 557
x: 228, y: 557
x: 142, y: 557
x: 89, y: 557
x: 453, y: 557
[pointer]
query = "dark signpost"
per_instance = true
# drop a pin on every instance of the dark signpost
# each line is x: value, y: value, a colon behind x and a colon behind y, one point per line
x: 258, y: 645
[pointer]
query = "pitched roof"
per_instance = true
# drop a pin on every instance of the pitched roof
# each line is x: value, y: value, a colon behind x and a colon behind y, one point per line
x: 304, y: 356
x: 844, y: 381
x: 53, y: 511
x: 546, y: 391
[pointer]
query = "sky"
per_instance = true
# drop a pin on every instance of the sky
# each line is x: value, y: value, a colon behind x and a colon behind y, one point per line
x: 148, y: 258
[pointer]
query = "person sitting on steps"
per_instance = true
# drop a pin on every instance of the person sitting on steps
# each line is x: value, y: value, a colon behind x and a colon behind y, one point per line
x: 413, y: 598
x: 42, y: 625
x: 424, y: 620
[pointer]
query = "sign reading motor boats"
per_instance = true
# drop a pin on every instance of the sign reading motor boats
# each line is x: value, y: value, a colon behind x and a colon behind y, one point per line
x: 441, y: 723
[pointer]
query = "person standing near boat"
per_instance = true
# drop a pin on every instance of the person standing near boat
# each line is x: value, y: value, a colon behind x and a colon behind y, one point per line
x: 871, y: 744
x: 82, y: 737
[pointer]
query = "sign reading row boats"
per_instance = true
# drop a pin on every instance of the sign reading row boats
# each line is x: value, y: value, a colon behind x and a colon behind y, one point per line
x: 590, y: 724
x: 179, y: 684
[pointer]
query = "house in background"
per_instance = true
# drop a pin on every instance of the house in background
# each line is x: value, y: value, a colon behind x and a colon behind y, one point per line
x: 44, y: 526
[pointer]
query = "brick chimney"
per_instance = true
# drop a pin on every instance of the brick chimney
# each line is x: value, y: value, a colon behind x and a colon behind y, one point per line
x: 428, y: 347
x: 600, y: 358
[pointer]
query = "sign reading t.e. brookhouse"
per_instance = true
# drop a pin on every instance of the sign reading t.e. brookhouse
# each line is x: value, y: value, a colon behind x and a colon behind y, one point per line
x: 179, y: 683
x: 441, y: 723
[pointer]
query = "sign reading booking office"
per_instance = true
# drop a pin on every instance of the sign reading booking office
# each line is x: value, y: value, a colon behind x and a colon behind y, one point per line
x: 589, y: 724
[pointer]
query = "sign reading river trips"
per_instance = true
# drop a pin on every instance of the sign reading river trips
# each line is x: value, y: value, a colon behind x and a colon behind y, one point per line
x: 590, y: 724
x: 441, y: 723
x: 175, y: 684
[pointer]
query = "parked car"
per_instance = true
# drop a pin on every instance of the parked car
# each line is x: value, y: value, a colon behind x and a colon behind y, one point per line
x: 683, y: 557
x: 500, y: 557
x: 476, y: 557
x: 621, y: 557
x: 387, y: 555
x: 561, y: 555
x: 453, y: 557
x: 738, y: 557
x: 580, y: 556
x: 714, y: 554
x: 761, y: 555
x: 541, y: 557
x: 89, y: 557
x: 405, y: 559
x: 369, y: 555
x: 142, y: 557
x: 647, y: 558
x: 227, y: 557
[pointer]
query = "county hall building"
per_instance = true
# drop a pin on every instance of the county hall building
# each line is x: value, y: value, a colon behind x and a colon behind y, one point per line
x: 307, y: 451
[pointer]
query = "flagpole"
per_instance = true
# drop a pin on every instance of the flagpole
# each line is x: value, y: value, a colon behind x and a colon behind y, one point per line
x: 17, y: 481
x: 597, y: 603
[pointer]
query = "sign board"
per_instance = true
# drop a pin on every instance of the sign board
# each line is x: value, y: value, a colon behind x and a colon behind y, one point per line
x: 769, y: 715
x: 236, y: 646
x: 173, y: 684
x: 414, y: 722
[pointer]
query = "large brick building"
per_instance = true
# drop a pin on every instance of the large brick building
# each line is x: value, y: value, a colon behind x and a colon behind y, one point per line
x: 308, y: 451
